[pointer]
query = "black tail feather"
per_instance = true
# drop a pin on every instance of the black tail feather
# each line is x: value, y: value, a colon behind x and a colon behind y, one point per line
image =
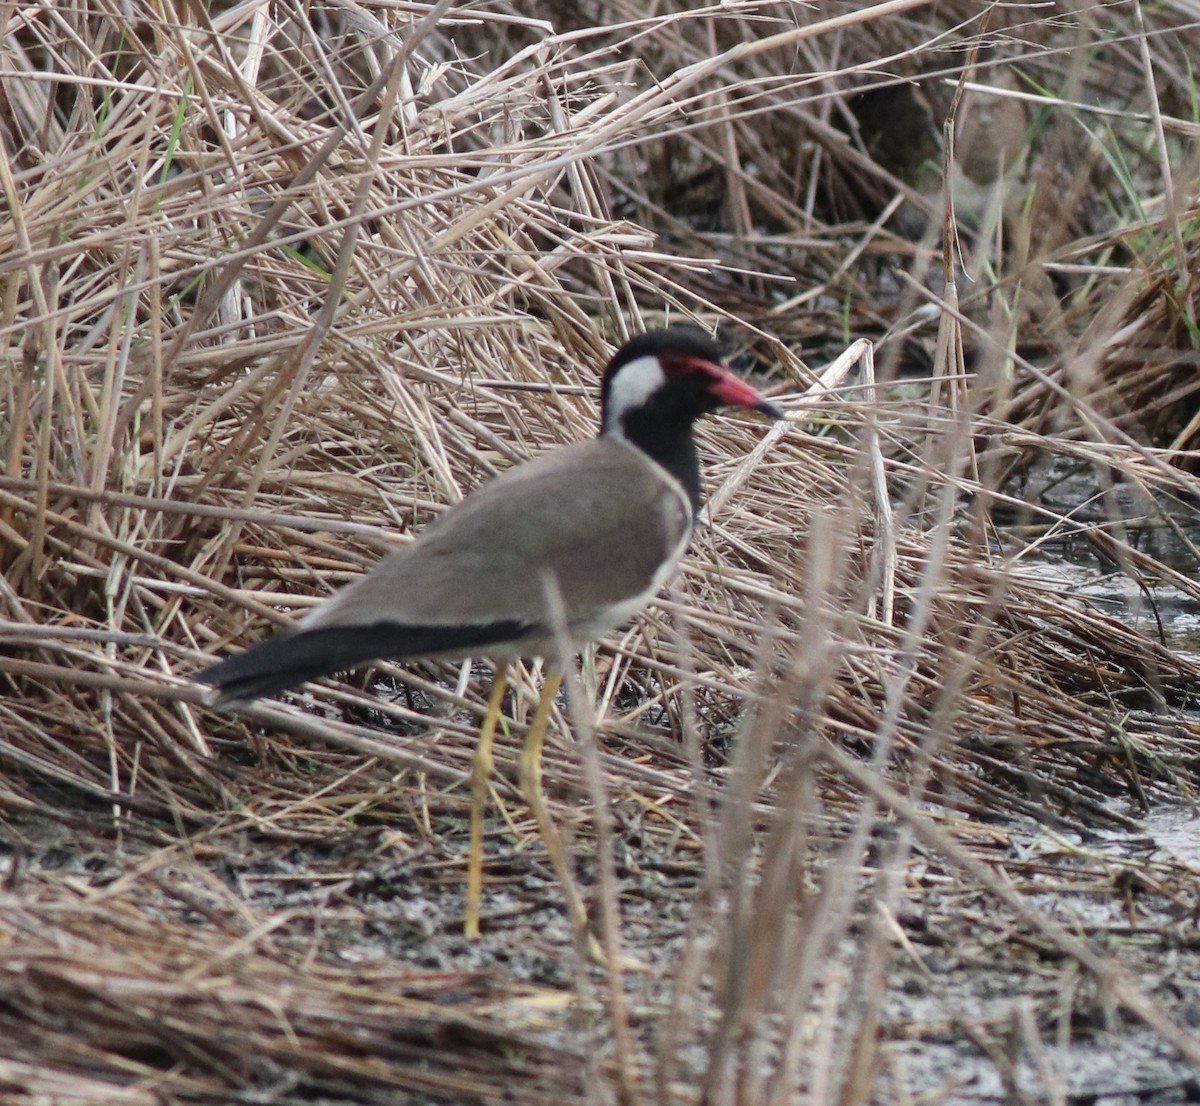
x: 292, y: 658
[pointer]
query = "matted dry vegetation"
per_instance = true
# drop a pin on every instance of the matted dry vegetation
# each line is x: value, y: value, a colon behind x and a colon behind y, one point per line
x: 280, y: 282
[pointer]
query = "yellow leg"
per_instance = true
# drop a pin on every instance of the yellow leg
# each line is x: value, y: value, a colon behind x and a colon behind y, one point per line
x: 481, y: 774
x: 530, y: 776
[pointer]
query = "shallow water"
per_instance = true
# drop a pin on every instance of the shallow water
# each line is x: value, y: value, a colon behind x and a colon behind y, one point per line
x: 1176, y: 831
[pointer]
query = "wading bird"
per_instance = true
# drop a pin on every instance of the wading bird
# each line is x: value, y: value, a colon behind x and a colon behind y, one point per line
x: 546, y: 557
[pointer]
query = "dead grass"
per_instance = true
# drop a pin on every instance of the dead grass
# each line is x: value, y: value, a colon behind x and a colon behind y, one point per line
x: 279, y: 284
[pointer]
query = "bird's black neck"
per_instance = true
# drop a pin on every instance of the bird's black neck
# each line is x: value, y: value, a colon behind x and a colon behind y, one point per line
x: 670, y: 443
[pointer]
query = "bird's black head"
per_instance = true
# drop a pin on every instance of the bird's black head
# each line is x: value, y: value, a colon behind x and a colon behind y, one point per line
x: 667, y: 379
x: 658, y: 384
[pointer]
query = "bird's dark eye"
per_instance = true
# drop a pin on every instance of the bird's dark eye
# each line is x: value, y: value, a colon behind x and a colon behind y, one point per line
x: 680, y: 365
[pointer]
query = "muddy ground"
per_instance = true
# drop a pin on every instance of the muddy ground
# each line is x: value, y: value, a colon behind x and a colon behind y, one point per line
x: 147, y: 968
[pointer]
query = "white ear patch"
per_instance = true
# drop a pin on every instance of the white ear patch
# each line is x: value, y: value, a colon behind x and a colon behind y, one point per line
x: 633, y: 384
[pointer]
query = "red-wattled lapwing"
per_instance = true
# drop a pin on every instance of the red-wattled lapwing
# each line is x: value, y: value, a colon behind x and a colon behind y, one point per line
x: 561, y: 548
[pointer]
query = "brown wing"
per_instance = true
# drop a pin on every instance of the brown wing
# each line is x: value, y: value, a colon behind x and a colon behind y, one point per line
x: 602, y: 519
